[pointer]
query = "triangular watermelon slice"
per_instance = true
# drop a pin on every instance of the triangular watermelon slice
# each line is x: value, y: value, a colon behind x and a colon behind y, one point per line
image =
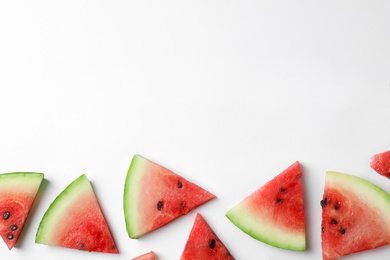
x: 17, y: 194
x: 274, y: 214
x: 203, y: 243
x: 75, y: 220
x: 355, y: 216
x: 380, y: 162
x: 147, y: 256
x: 154, y: 196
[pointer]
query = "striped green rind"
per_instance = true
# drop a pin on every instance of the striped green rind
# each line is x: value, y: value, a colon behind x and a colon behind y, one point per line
x: 370, y: 193
x: 22, y: 181
x: 57, y: 208
x: 265, y: 230
x: 131, y: 194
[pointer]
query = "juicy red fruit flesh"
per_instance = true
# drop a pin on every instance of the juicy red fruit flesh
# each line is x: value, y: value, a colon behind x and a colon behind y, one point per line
x: 12, y: 218
x: 346, y: 227
x: 203, y: 243
x: 381, y: 163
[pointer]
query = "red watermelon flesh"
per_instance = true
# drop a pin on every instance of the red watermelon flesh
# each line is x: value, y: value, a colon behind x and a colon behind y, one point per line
x: 17, y: 194
x: 381, y: 163
x: 148, y: 256
x: 203, y: 243
x: 274, y: 214
x: 355, y: 216
x: 154, y: 196
x: 75, y: 220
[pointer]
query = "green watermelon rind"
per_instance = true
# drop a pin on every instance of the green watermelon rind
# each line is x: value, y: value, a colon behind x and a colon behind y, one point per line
x: 131, y: 192
x: 265, y: 232
x: 368, y: 195
x: 23, y: 183
x: 29, y: 179
x: 372, y: 194
x: 50, y: 219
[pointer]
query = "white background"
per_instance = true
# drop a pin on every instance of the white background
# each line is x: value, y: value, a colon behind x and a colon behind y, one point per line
x: 225, y: 93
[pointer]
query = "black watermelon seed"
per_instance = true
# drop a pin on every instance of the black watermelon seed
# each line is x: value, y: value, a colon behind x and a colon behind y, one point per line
x: 179, y: 184
x: 159, y: 205
x: 212, y: 243
x: 334, y: 221
x: 13, y: 227
x: 6, y: 215
x: 342, y: 231
x: 322, y: 229
x: 10, y: 236
x: 324, y: 202
x: 282, y: 190
x: 279, y: 200
x: 337, y: 205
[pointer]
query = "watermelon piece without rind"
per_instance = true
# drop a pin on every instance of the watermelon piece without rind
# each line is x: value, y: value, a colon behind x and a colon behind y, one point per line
x: 147, y: 256
x: 17, y: 194
x: 274, y: 213
x: 203, y: 243
x: 75, y: 220
x: 154, y: 196
x: 380, y: 162
x: 355, y: 216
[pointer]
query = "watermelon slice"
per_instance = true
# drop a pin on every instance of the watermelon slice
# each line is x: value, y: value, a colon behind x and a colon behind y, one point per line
x: 203, y: 243
x: 355, y: 216
x: 148, y: 256
x: 17, y: 194
x: 274, y: 214
x: 381, y: 163
x: 154, y: 196
x: 75, y: 220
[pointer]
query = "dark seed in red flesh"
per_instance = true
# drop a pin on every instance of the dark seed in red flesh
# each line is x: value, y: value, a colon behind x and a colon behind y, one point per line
x: 179, y: 184
x: 6, y: 215
x: 342, y: 231
x: 279, y: 200
x: 337, y: 205
x: 212, y: 243
x: 322, y: 229
x: 13, y: 227
x: 324, y: 202
x: 160, y: 205
x: 334, y: 221
x: 10, y: 236
x: 282, y: 190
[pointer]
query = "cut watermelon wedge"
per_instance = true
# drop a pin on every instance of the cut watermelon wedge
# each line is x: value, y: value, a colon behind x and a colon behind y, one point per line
x: 147, y: 256
x: 154, y: 196
x: 17, y: 194
x: 274, y: 214
x: 203, y: 243
x: 381, y: 163
x: 355, y: 216
x: 75, y: 220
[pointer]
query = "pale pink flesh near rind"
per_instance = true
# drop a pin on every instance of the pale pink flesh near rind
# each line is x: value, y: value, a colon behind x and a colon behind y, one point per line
x: 274, y: 214
x: 355, y: 216
x: 154, y: 196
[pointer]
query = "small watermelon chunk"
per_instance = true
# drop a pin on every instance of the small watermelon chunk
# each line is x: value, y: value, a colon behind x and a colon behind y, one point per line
x: 355, y: 216
x: 203, y: 243
x: 274, y: 214
x: 381, y: 163
x: 154, y: 196
x: 75, y: 220
x: 17, y: 194
x: 147, y: 256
